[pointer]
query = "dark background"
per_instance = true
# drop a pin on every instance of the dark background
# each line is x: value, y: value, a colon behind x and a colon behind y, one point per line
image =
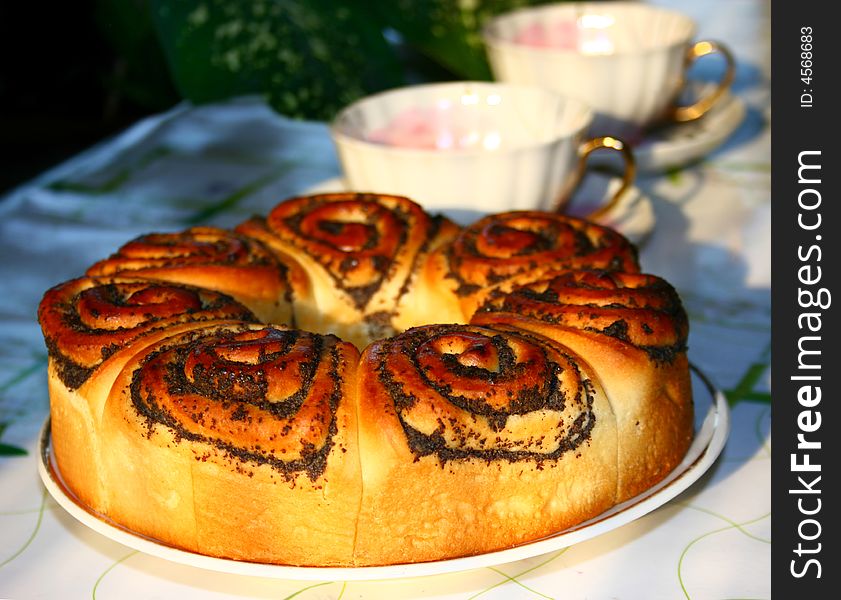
x: 63, y: 85
x: 74, y: 73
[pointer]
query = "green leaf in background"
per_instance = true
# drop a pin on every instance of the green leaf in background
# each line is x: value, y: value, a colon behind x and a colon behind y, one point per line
x: 308, y: 58
x: 8, y: 449
x: 449, y: 32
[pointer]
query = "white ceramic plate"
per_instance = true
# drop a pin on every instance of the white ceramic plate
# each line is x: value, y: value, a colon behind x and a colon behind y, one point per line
x: 633, y: 215
x: 682, y: 143
x: 712, y: 425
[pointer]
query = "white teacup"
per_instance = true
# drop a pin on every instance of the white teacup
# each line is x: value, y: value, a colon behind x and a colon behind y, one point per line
x: 471, y: 146
x: 627, y: 60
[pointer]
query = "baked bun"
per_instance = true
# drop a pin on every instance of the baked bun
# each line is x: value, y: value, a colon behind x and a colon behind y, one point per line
x: 498, y: 252
x: 362, y: 253
x: 238, y: 441
x: 475, y: 439
x: 632, y: 329
x: 216, y: 259
x: 498, y: 383
x: 91, y: 327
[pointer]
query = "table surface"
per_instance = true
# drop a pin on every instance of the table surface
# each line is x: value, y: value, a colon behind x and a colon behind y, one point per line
x: 219, y: 164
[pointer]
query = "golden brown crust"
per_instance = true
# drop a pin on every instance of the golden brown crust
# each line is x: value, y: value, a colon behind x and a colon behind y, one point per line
x: 238, y: 442
x: 177, y: 416
x: 498, y: 252
x: 478, y: 440
x: 643, y: 310
x: 85, y: 320
x: 91, y: 327
x: 362, y: 253
x: 215, y: 259
x: 632, y: 329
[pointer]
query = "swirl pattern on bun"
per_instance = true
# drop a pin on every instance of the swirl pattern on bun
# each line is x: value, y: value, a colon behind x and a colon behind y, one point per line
x: 362, y: 251
x: 92, y: 327
x: 639, y: 309
x: 632, y: 329
x: 501, y: 251
x: 462, y: 391
x: 446, y: 409
x: 216, y: 259
x: 88, y: 319
x: 232, y: 390
x: 203, y: 412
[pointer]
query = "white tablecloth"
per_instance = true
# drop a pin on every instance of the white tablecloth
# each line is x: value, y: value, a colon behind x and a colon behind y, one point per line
x: 219, y: 164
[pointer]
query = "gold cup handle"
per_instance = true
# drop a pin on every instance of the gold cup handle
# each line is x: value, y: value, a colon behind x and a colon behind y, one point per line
x: 699, y: 108
x: 587, y: 148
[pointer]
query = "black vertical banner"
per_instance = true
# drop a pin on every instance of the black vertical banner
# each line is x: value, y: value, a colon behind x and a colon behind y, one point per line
x: 806, y: 300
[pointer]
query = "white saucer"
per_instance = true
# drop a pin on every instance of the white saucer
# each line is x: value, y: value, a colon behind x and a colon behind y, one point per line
x: 712, y: 425
x: 633, y: 215
x: 682, y: 143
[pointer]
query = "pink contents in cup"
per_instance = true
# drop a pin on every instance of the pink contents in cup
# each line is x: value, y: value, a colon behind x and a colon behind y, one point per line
x: 561, y: 34
x: 414, y: 128
x: 437, y: 128
x: 588, y: 34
